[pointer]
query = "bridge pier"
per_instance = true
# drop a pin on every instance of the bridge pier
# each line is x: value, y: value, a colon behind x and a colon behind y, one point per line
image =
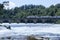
x: 26, y: 20
x: 35, y: 20
x: 43, y: 21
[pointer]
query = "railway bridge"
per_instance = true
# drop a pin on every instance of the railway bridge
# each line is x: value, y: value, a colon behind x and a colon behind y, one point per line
x: 33, y: 19
x: 40, y: 19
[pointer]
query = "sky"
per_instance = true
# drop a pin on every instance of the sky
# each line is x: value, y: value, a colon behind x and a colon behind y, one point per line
x: 18, y: 3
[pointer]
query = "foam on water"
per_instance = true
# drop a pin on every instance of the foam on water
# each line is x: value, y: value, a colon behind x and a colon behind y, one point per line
x: 26, y: 30
x: 31, y: 29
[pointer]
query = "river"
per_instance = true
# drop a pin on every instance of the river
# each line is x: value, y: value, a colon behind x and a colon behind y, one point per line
x: 40, y: 29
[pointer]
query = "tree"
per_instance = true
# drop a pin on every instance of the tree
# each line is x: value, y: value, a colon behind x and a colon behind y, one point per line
x: 1, y: 9
x: 57, y: 5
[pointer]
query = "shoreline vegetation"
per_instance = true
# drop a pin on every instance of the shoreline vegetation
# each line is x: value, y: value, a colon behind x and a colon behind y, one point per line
x: 18, y: 14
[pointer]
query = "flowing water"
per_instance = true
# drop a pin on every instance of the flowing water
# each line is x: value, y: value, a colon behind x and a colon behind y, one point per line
x: 20, y: 31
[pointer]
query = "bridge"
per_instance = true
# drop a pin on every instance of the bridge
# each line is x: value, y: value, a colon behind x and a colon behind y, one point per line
x: 43, y: 17
x: 33, y: 19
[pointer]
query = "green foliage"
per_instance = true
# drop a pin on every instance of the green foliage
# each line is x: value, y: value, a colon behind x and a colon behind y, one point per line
x: 29, y: 10
x: 57, y: 5
x: 1, y: 9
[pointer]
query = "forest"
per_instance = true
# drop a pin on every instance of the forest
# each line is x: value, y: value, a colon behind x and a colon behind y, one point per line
x: 13, y: 15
